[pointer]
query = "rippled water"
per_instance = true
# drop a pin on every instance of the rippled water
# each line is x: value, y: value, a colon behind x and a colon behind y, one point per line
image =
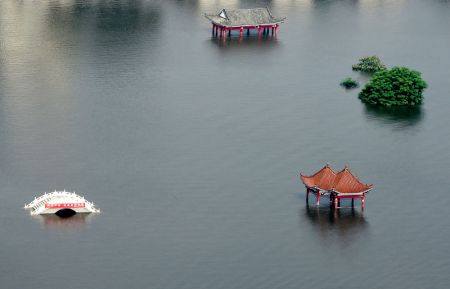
x: 192, y: 146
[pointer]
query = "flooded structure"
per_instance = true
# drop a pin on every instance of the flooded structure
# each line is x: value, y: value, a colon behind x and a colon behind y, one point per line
x: 337, y: 185
x: 61, y: 203
x: 228, y: 20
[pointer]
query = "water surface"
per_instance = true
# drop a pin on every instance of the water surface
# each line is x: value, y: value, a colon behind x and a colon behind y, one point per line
x: 192, y: 147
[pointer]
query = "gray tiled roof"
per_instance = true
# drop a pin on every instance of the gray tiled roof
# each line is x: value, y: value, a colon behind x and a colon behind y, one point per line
x: 243, y: 17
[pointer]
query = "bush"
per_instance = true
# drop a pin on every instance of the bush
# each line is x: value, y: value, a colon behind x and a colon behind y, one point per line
x: 395, y: 87
x: 349, y: 83
x: 369, y: 64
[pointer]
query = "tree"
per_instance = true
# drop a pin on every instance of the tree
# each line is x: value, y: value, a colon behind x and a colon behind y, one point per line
x: 398, y: 86
x: 349, y: 83
x: 369, y: 64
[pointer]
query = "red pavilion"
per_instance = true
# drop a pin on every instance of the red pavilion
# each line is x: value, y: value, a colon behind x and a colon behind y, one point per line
x: 337, y: 185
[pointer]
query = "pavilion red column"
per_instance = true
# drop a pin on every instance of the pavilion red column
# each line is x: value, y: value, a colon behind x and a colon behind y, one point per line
x: 241, y: 31
x: 336, y: 201
x: 259, y: 31
x: 318, y: 198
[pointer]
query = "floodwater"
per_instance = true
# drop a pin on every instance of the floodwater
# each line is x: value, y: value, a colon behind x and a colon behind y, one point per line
x: 192, y: 147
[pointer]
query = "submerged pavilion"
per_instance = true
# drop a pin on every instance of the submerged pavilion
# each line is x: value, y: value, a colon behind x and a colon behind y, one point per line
x: 337, y: 185
x: 239, y: 19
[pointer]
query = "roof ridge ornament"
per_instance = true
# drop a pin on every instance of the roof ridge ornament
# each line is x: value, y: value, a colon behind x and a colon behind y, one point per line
x: 223, y: 14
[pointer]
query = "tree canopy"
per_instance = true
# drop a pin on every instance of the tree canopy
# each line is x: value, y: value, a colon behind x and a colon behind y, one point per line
x: 369, y: 64
x: 398, y: 86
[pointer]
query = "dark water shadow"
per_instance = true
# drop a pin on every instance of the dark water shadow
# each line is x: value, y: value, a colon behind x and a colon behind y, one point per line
x: 55, y: 222
x: 128, y: 16
x: 401, y: 117
x: 120, y: 16
x: 242, y: 4
x: 106, y: 29
x: 345, y: 224
x: 326, y: 3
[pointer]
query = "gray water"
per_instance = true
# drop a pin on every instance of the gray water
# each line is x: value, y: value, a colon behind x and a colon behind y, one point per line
x: 192, y: 147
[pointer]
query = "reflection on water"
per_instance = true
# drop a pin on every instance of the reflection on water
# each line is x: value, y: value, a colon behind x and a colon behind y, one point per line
x: 365, y: 4
x: 348, y: 223
x: 251, y: 42
x: 212, y: 6
x: 62, y: 30
x: 283, y: 4
x: 54, y: 222
x: 401, y: 116
x: 127, y: 15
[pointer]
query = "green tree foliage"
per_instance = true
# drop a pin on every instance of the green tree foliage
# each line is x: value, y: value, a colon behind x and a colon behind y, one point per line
x: 349, y: 83
x: 398, y: 86
x: 369, y: 64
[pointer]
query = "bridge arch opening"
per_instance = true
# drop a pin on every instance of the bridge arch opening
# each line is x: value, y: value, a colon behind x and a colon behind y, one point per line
x: 65, y: 213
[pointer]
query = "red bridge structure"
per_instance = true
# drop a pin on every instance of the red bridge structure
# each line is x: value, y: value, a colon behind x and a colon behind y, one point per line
x: 337, y: 185
x: 228, y: 20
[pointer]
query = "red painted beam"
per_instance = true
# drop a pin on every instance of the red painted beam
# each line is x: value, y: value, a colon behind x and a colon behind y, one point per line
x: 349, y: 197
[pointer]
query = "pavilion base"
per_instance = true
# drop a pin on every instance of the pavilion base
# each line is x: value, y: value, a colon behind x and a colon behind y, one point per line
x: 262, y: 30
x: 335, y: 199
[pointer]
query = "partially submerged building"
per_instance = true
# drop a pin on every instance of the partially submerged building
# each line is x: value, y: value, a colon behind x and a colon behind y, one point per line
x: 61, y: 203
x: 337, y: 185
x: 239, y: 19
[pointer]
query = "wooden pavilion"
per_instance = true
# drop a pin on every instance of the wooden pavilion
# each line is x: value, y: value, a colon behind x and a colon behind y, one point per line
x: 239, y: 19
x: 337, y: 185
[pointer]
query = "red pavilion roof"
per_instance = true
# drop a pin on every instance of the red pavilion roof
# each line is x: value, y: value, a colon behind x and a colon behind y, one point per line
x: 323, y: 179
x: 344, y: 182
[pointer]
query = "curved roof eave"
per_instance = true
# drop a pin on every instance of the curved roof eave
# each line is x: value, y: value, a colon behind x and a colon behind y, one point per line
x: 344, y: 180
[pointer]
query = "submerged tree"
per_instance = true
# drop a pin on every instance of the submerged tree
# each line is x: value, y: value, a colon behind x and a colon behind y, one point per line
x: 369, y: 64
x: 349, y: 83
x: 398, y: 86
